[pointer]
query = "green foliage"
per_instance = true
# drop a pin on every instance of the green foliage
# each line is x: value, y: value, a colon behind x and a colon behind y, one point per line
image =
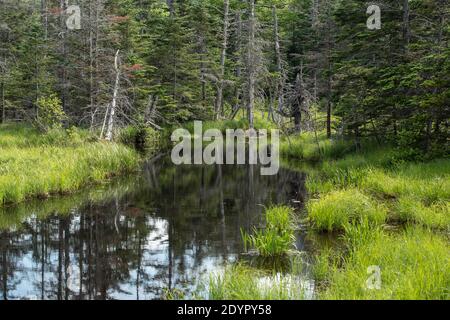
x: 338, y: 209
x: 240, y: 282
x: 436, y: 215
x: 414, y: 264
x: 51, y: 114
x: 277, y: 238
x: 39, y: 165
x: 142, y: 138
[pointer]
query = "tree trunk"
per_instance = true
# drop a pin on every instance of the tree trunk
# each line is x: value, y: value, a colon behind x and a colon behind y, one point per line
x: 280, y: 84
x: 250, y: 64
x: 329, y: 79
x: 237, y: 92
x: 223, y: 55
x: 92, y: 99
x: 109, y: 132
x: 63, y: 84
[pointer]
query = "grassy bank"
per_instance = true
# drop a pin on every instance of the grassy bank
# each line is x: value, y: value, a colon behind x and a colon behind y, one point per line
x: 389, y: 212
x: 384, y: 212
x: 33, y: 164
x: 413, y: 264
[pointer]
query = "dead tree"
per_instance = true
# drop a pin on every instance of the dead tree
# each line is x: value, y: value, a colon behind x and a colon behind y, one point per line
x: 109, y: 132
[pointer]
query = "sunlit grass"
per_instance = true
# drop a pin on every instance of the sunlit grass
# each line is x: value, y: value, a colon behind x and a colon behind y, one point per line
x: 334, y: 211
x: 47, y: 168
x: 414, y: 264
x: 277, y: 238
x: 240, y: 282
x: 436, y: 215
x: 309, y: 147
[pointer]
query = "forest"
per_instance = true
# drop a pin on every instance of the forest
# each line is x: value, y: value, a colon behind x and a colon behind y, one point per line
x: 91, y: 90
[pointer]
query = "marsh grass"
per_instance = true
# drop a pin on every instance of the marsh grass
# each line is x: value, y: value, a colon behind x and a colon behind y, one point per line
x: 359, y: 194
x: 277, y: 238
x: 338, y: 209
x: 31, y: 166
x: 414, y: 264
x: 307, y: 146
x: 411, y: 210
x: 240, y: 282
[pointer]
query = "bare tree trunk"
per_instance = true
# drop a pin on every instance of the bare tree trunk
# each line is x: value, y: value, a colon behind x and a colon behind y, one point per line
x: 297, y: 104
x: 329, y: 79
x: 109, y: 132
x: 92, y: 99
x: 280, y: 84
x: 63, y: 76
x: 223, y: 56
x: 250, y: 64
x: 237, y: 91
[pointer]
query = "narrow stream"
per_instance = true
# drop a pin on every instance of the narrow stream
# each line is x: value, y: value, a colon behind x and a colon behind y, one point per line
x: 167, y: 227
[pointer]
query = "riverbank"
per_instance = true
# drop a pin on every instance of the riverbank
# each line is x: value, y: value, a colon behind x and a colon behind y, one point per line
x: 33, y: 164
x: 389, y: 217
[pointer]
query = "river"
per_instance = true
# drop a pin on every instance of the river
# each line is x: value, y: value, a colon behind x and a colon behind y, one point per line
x: 137, y: 237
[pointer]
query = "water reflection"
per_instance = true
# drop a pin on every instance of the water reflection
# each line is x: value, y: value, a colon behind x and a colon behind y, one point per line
x: 165, y: 228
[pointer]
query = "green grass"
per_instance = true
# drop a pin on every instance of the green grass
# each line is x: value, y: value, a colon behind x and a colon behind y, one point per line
x: 334, y: 211
x: 307, y: 146
x: 414, y: 264
x: 361, y: 194
x: 412, y: 191
x: 240, y: 282
x: 34, y: 164
x: 277, y: 238
x: 412, y: 210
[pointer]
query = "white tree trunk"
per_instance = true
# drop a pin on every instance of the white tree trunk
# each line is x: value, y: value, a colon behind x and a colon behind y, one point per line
x: 109, y: 132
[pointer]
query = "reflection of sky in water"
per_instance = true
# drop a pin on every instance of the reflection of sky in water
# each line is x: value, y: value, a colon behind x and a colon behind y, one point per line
x: 28, y: 272
x: 169, y: 232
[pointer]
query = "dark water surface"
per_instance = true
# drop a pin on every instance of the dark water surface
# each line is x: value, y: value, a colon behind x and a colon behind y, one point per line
x: 166, y: 228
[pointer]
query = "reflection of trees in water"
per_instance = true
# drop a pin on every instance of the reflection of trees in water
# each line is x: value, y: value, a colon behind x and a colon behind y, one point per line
x: 171, y: 226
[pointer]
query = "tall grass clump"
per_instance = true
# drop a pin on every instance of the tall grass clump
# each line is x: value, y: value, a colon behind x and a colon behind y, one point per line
x: 336, y: 210
x: 277, y: 238
x: 414, y: 264
x: 240, y: 282
x: 307, y: 146
x: 436, y: 215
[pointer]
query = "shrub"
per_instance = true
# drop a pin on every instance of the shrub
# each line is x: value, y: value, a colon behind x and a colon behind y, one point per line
x: 51, y: 114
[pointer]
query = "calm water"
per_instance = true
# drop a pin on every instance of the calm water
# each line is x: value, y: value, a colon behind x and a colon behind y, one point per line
x: 165, y: 228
